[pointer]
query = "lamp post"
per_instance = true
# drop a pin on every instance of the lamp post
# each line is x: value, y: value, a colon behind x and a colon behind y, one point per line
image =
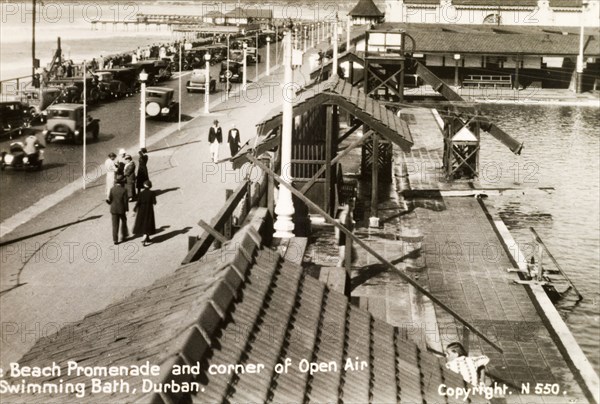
x: 143, y: 79
x: 579, y: 75
x: 318, y: 32
x: 305, y: 37
x: 284, y: 226
x: 207, y: 85
x: 456, y: 62
x: 256, y: 60
x: 312, y: 36
x: 268, y: 72
x: 348, y: 28
x: 227, y: 71
x: 295, y: 38
x: 245, y: 47
x: 334, y: 40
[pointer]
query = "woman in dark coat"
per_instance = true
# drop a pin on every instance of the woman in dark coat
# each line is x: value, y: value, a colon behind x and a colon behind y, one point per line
x: 142, y: 174
x: 129, y: 172
x: 144, y: 214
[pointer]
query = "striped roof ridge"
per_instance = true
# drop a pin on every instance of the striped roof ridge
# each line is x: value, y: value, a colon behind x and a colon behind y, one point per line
x: 496, y: 3
x: 365, y: 8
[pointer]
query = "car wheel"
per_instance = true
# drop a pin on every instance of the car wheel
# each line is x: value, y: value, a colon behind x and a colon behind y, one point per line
x: 2, y: 166
x: 39, y: 164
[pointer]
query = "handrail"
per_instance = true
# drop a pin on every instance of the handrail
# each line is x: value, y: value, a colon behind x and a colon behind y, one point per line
x: 361, y: 243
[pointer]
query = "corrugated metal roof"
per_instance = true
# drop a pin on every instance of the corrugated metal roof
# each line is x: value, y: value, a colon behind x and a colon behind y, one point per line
x: 365, y: 8
x: 566, y: 3
x: 244, y: 305
x: 496, y: 3
x: 249, y: 12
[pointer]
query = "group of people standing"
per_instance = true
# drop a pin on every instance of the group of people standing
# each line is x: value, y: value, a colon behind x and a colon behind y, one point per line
x: 215, y: 138
x: 125, y: 184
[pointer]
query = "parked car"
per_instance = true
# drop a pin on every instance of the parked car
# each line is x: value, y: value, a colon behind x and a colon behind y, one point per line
x: 37, y: 100
x: 232, y: 70
x: 92, y: 91
x: 66, y: 121
x: 160, y: 103
x: 16, y: 157
x: 14, y: 116
x: 252, y: 55
x: 198, y: 82
x: 158, y: 70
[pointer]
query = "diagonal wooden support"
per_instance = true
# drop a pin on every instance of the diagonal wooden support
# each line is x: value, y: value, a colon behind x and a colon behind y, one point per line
x: 337, y: 158
x: 361, y: 243
x: 212, y: 231
x: 349, y: 132
x: 383, y: 81
x: 464, y: 162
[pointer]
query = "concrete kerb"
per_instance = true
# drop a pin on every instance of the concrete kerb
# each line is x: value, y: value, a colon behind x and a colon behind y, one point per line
x: 24, y: 216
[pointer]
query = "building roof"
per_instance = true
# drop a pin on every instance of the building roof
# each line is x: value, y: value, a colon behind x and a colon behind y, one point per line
x: 422, y: 2
x: 214, y: 14
x: 497, y: 40
x: 566, y: 4
x: 243, y: 304
x: 496, y: 3
x: 249, y: 12
x: 365, y: 8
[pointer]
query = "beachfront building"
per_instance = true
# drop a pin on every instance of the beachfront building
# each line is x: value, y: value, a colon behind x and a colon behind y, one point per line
x: 497, y: 12
x: 248, y: 16
x: 214, y: 17
x: 365, y: 12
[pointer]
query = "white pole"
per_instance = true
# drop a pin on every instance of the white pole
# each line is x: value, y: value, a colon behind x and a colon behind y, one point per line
x: 268, y: 73
x: 180, y: 58
x: 334, y: 41
x: 285, y: 208
x: 305, y: 37
x: 348, y: 28
x: 227, y: 72
x: 143, y: 115
x: 276, y: 44
x: 312, y: 35
x: 579, y: 67
x: 245, y: 47
x: 256, y: 61
x: 84, y: 120
x: 207, y: 86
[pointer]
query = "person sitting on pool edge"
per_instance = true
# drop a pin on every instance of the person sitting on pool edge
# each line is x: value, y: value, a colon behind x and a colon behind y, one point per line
x: 472, y: 369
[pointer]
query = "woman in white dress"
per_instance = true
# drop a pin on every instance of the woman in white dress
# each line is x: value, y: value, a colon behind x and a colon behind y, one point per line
x: 111, y: 168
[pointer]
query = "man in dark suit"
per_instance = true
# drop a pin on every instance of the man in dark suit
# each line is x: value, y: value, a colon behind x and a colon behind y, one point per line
x: 233, y: 139
x: 215, y: 138
x: 119, y: 206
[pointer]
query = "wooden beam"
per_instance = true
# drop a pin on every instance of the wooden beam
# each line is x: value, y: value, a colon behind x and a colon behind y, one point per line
x: 337, y: 158
x: 384, y: 82
x: 375, y: 176
x: 361, y: 243
x: 349, y: 132
x: 218, y: 236
x: 328, y: 150
x: 204, y: 242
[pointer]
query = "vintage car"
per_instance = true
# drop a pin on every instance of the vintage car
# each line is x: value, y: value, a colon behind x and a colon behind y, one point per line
x: 158, y: 70
x: 16, y: 157
x: 92, y: 91
x: 234, y: 71
x: 14, y: 116
x: 37, y: 100
x: 66, y: 121
x: 198, y: 82
x: 160, y: 103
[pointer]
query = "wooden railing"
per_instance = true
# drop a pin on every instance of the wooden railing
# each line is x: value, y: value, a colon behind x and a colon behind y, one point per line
x: 221, y: 228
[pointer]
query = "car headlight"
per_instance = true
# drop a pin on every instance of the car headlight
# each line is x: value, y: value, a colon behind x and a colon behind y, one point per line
x: 8, y: 158
x: 76, y: 133
x: 44, y: 113
x: 25, y: 159
x: 165, y: 110
x: 45, y: 132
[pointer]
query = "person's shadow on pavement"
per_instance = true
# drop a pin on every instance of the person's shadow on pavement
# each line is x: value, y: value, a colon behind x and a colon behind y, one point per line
x: 171, y: 234
x: 164, y: 191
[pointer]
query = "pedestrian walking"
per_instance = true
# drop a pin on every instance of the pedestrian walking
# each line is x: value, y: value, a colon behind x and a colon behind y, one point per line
x: 144, y: 213
x: 346, y: 219
x: 142, y: 173
x: 117, y: 199
x: 215, y: 138
x: 129, y: 172
x: 111, y: 169
x: 233, y: 138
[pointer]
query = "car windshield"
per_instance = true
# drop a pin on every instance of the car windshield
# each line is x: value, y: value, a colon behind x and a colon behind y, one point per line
x: 59, y: 113
x: 154, y: 94
x: 8, y: 108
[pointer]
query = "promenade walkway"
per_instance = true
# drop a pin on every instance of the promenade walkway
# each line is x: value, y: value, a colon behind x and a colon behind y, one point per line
x: 62, y: 265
